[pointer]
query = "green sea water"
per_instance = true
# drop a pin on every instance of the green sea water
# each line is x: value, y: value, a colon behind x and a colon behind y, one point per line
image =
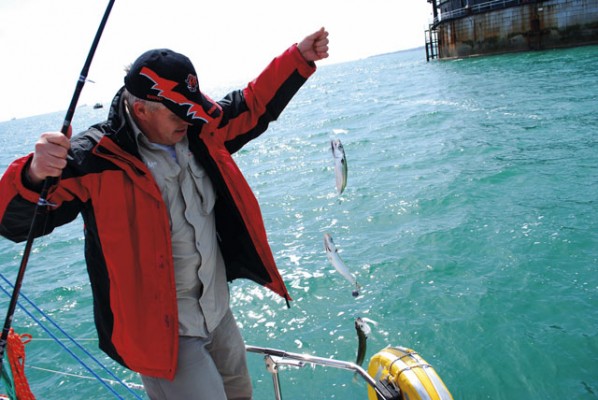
x: 470, y: 220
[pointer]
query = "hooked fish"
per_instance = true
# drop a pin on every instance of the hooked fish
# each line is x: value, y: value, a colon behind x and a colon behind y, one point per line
x: 340, y: 165
x: 338, y: 264
x: 363, y: 331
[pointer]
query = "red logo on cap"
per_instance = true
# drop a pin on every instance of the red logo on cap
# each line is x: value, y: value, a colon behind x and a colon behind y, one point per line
x: 192, y: 84
x: 164, y: 88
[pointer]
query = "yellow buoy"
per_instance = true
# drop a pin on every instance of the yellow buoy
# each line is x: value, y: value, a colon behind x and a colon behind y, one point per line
x: 404, y: 371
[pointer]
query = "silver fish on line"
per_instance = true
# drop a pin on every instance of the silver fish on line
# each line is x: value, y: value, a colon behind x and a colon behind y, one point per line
x: 338, y: 264
x: 340, y: 165
x: 363, y: 331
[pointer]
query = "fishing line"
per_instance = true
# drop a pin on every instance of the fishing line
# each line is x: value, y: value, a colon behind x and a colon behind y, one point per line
x: 79, y: 346
x: 42, y: 203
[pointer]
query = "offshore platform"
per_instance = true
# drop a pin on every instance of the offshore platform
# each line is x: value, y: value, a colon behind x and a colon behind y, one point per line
x: 464, y: 28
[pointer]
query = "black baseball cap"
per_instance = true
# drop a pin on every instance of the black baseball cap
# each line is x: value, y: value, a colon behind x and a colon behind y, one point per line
x: 165, y: 76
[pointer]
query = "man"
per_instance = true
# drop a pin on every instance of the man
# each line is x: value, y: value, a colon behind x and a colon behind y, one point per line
x: 169, y: 218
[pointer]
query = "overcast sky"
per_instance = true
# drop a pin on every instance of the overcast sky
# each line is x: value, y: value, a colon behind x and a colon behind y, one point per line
x: 44, y: 43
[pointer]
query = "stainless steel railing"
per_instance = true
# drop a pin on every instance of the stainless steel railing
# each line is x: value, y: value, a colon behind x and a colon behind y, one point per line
x: 275, y: 358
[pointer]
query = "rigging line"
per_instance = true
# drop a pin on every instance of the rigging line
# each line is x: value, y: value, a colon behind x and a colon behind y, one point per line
x: 62, y: 344
x: 56, y: 339
x: 41, y: 339
x: 79, y: 346
x: 112, y: 382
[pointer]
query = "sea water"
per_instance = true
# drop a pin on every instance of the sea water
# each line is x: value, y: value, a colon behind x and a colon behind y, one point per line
x: 470, y: 220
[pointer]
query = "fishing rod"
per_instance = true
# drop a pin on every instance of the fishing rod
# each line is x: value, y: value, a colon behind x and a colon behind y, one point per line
x: 42, y: 203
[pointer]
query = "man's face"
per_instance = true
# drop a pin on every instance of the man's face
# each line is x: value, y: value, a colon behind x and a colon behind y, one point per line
x: 160, y: 125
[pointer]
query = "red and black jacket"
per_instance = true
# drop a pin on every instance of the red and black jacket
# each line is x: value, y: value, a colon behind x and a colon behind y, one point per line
x: 127, y: 235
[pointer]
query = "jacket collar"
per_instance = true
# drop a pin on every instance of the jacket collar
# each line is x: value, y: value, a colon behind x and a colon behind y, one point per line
x: 117, y: 127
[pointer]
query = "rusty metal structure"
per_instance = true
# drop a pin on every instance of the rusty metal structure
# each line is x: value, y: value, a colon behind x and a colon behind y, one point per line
x: 464, y: 28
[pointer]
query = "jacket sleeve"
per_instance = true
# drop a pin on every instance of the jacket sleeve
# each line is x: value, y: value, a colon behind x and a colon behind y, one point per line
x: 18, y: 204
x: 248, y: 112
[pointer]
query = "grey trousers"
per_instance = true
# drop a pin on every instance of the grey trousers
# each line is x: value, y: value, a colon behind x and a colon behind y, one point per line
x: 212, y: 368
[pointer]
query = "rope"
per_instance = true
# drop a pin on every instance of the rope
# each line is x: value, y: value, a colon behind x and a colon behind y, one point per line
x: 16, y: 357
x: 80, y: 347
